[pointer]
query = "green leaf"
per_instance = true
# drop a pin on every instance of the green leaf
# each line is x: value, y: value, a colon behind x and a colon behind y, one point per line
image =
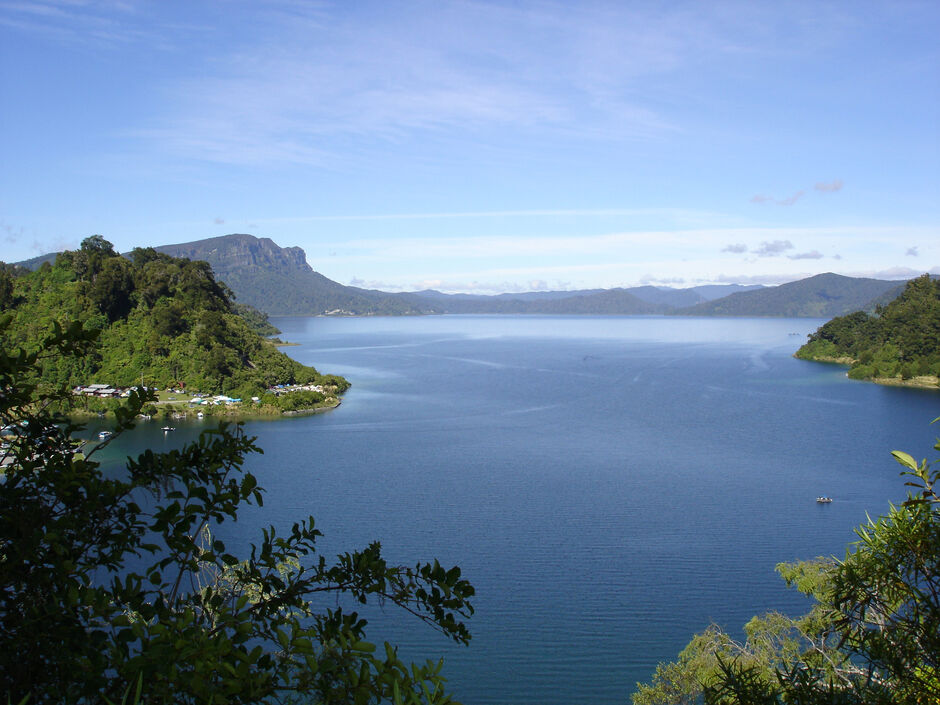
x: 904, y: 459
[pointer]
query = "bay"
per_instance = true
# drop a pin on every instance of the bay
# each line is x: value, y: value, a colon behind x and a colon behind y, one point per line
x: 610, y: 485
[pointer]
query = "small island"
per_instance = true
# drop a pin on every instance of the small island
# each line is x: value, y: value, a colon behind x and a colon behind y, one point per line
x: 897, y: 344
x: 156, y: 323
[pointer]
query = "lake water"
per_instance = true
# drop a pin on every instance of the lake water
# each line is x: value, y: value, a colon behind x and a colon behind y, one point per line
x: 610, y: 485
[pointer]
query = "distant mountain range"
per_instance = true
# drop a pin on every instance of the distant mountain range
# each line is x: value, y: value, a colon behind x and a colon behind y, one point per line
x: 278, y: 281
x: 821, y: 296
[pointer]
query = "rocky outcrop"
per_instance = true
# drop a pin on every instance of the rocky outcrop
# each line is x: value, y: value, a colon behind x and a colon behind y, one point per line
x: 278, y: 280
x: 230, y: 253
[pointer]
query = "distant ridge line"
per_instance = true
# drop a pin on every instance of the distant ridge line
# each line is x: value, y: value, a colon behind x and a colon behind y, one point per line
x: 279, y: 281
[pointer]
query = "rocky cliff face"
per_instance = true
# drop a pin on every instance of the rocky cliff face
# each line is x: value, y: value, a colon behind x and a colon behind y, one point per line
x: 231, y: 253
x: 278, y: 280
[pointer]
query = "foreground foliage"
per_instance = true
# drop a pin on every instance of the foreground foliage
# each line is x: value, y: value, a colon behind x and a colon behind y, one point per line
x: 901, y: 340
x: 108, y: 583
x: 873, y: 636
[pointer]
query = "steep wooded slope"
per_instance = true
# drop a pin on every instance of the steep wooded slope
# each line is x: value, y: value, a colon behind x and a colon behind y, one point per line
x: 162, y: 321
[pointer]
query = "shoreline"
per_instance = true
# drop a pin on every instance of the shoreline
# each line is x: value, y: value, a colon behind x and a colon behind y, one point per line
x: 917, y: 382
x: 231, y: 413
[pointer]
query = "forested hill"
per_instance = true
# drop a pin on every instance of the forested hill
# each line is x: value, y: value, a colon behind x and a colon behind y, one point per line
x: 279, y: 281
x: 162, y: 321
x: 821, y: 296
x: 901, y: 340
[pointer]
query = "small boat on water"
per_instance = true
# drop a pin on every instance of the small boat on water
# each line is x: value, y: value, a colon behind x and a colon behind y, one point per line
x: 824, y: 500
x: 104, y: 435
x: 166, y: 429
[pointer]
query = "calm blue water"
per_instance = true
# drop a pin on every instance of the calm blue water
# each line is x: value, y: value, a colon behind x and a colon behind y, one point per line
x: 609, y: 485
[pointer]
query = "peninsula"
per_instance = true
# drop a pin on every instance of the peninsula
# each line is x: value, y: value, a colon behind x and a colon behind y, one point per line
x: 898, y: 344
x: 163, y: 323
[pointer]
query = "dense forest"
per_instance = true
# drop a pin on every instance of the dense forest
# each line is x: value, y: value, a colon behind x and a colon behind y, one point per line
x: 820, y: 296
x: 163, y: 322
x: 899, y: 340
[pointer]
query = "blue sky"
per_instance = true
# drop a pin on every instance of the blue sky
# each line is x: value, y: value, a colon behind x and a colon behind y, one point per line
x: 482, y: 146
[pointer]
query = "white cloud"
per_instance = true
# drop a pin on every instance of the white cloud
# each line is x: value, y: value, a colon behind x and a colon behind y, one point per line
x: 911, y: 252
x: 892, y: 273
x: 660, y: 280
x: 815, y: 254
x: 461, y: 286
x: 773, y: 248
x: 736, y: 248
x: 765, y: 279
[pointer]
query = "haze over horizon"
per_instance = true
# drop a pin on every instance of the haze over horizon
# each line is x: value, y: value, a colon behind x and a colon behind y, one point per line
x: 482, y: 147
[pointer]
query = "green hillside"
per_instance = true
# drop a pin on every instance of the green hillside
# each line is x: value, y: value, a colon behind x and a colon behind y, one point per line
x: 821, y: 296
x: 899, y: 341
x: 163, y: 322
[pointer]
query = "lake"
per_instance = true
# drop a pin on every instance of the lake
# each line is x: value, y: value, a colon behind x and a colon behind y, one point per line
x: 610, y: 485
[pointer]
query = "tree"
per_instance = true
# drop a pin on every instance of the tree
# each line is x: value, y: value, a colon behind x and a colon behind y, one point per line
x: 88, y: 259
x: 6, y: 285
x: 112, y: 584
x: 873, y: 637
x: 112, y: 289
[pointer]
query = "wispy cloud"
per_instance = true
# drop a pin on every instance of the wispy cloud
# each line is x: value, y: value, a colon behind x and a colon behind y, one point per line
x: 821, y: 186
x: 12, y: 235
x: 535, y: 213
x: 661, y: 280
x: 98, y: 23
x: 697, y: 242
x: 830, y: 187
x: 765, y: 279
x: 815, y: 254
x: 773, y: 248
x: 464, y: 286
x: 789, y: 201
x: 313, y: 77
x: 893, y: 273
x: 911, y: 252
x: 19, y: 237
